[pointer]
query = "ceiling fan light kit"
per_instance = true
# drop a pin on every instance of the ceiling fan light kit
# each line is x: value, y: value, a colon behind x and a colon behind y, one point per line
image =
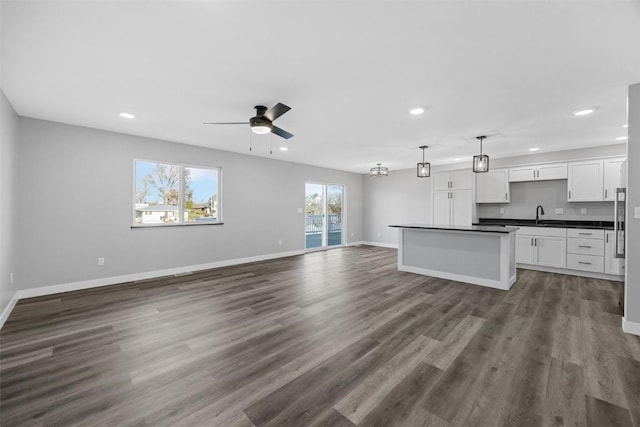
x: 379, y: 170
x: 481, y: 161
x: 262, y: 122
x: 424, y: 168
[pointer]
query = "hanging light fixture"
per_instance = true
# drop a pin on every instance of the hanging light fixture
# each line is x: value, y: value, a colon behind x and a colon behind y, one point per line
x: 379, y: 170
x: 424, y: 168
x: 481, y: 161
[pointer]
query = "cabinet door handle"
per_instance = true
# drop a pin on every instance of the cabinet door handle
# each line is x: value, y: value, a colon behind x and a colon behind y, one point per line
x: 605, y: 193
x: 569, y: 194
x: 606, y: 238
x: 534, y: 174
x: 581, y: 262
x: 585, y: 234
x: 506, y: 196
x: 585, y: 246
x: 531, y: 241
x: 535, y: 242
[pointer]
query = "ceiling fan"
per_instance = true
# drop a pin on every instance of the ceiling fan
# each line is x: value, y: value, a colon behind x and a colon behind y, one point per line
x: 262, y: 123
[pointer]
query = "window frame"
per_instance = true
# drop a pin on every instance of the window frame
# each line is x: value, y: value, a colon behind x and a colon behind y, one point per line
x: 181, y: 201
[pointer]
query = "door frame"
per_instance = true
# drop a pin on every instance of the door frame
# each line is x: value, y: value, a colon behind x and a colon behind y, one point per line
x: 325, y: 229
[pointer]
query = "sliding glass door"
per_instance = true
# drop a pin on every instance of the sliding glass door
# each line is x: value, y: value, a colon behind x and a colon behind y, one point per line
x: 323, y: 218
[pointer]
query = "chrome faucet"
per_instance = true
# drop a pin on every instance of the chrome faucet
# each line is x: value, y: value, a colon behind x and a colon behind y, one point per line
x: 540, y: 209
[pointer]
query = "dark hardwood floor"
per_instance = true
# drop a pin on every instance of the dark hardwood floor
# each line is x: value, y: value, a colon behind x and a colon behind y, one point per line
x: 336, y: 338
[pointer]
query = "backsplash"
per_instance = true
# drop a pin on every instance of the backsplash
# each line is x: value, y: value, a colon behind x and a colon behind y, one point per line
x: 525, y: 196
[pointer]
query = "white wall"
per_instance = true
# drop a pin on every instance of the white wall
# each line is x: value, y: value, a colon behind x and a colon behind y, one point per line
x: 76, y: 196
x: 632, y: 230
x: 406, y: 198
x: 399, y: 198
x: 8, y: 197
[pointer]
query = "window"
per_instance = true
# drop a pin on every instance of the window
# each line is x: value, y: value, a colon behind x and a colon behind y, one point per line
x: 173, y: 194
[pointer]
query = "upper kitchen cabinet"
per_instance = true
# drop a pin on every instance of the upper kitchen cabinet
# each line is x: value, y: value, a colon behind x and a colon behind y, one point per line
x: 493, y: 186
x: 538, y: 172
x: 612, y: 177
x: 586, y: 183
x: 455, y: 180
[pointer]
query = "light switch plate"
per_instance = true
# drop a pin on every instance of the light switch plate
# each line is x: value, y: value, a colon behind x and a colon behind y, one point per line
x: 559, y: 211
x: 501, y: 210
x: 299, y: 210
x: 637, y: 212
x: 583, y: 211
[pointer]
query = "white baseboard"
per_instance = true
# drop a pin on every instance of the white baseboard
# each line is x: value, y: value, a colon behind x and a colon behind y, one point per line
x: 380, y: 244
x: 571, y: 272
x: 630, y: 327
x: 114, y: 280
x: 7, y: 311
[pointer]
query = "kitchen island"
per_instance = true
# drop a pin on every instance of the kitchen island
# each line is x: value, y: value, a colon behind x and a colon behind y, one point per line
x: 481, y: 255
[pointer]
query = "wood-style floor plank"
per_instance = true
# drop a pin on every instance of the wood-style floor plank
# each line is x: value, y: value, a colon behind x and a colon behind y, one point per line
x: 337, y: 338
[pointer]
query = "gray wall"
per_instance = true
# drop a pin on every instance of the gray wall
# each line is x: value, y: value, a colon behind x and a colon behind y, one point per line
x: 402, y: 197
x: 398, y: 198
x: 525, y: 196
x: 8, y: 194
x: 632, y: 279
x: 76, y: 200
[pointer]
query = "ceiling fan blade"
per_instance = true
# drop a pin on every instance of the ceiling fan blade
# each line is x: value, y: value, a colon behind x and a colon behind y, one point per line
x: 276, y: 111
x: 226, y: 123
x: 281, y: 132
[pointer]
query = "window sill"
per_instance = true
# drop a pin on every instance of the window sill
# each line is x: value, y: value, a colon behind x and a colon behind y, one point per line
x: 195, y: 224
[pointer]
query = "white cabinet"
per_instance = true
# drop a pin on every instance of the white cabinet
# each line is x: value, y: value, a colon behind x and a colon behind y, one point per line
x: 524, y: 253
x: 612, y: 265
x: 452, y: 198
x: 538, y: 172
x: 456, y: 180
x: 452, y: 208
x: 585, y: 250
x: 541, y: 246
x: 585, y: 182
x: 612, y: 177
x: 461, y: 208
x: 493, y: 186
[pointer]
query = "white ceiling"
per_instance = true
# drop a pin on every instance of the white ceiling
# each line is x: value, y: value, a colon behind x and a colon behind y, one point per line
x: 350, y: 70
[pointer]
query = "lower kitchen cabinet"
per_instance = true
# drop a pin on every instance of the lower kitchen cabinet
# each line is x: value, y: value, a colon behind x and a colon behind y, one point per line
x: 612, y: 265
x: 541, y: 246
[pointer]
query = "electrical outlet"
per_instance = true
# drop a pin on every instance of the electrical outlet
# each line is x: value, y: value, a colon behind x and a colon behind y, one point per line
x: 636, y: 212
x: 583, y: 211
x: 100, y: 261
x: 378, y: 234
x: 11, y: 277
x: 280, y: 242
x: 501, y: 210
x: 559, y: 211
x: 299, y: 210
x: 352, y: 234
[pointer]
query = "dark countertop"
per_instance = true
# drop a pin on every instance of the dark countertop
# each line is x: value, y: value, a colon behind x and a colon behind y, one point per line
x: 597, y: 225
x: 474, y: 228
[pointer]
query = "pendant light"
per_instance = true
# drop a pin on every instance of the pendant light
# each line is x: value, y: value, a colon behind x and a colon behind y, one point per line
x: 379, y: 170
x: 481, y: 161
x: 424, y: 168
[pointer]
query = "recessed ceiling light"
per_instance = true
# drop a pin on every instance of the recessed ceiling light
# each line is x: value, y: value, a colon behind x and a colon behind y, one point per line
x: 625, y: 126
x: 127, y: 115
x: 534, y: 149
x: 416, y: 111
x: 584, y: 112
x: 621, y: 138
x: 284, y: 148
x: 457, y: 158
